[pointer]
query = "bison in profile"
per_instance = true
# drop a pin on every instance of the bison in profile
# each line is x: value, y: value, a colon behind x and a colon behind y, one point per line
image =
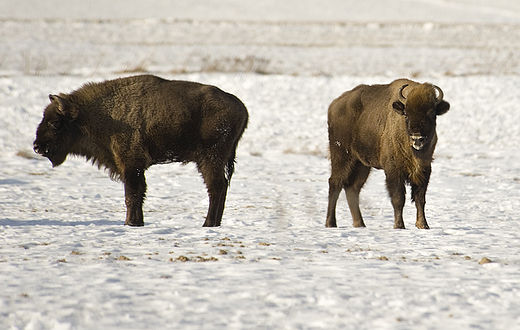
x: 389, y: 127
x: 127, y: 125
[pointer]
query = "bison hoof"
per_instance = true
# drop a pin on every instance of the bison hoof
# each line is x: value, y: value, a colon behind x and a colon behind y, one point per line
x: 134, y: 224
x: 331, y: 223
x: 422, y: 226
x: 210, y: 224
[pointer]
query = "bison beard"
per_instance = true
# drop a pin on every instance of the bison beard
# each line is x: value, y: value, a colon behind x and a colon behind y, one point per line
x: 379, y: 127
x: 126, y: 125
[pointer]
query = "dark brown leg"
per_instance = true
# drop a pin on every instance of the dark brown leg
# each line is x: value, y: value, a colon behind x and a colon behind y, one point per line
x: 217, y: 191
x: 419, y: 197
x: 397, y: 192
x: 217, y: 185
x: 334, y: 191
x: 220, y: 206
x: 135, y: 190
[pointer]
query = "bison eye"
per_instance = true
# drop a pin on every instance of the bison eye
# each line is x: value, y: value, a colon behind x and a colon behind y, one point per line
x: 54, y: 124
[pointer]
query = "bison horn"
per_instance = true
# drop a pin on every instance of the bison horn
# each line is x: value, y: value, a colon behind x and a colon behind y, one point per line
x: 400, y: 93
x: 441, y: 94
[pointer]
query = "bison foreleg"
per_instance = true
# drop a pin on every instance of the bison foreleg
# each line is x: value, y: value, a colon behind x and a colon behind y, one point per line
x: 135, y: 190
x: 421, y: 218
x: 419, y: 197
x: 396, y: 190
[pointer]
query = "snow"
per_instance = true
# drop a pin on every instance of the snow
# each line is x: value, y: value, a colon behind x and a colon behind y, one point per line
x: 67, y: 261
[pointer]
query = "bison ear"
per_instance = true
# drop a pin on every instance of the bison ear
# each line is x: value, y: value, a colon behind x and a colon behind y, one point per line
x: 442, y: 108
x: 65, y: 108
x: 398, y: 107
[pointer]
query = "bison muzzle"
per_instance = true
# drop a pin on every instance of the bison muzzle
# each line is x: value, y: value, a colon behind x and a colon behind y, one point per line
x: 389, y: 127
x: 128, y: 124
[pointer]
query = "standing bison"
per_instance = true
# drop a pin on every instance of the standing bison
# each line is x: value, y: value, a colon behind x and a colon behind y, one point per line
x: 389, y: 127
x: 129, y: 124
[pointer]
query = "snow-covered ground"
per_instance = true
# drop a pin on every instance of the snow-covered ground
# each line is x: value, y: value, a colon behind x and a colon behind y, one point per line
x: 67, y: 261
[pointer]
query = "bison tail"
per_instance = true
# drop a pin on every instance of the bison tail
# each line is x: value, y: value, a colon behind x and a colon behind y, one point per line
x: 230, y: 168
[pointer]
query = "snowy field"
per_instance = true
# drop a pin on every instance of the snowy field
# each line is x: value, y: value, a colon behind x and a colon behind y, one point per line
x: 67, y: 261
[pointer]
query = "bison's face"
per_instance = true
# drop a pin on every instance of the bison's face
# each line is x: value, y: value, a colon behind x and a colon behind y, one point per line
x: 420, y: 109
x: 55, y: 133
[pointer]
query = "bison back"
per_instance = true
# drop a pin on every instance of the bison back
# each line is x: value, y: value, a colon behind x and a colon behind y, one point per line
x: 186, y: 120
x: 357, y: 121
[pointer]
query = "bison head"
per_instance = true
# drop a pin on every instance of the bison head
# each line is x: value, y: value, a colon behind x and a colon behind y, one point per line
x: 420, y: 109
x: 56, y: 132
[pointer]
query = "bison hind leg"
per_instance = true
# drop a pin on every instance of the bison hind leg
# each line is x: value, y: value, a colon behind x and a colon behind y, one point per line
x: 353, y: 185
x: 334, y: 191
x: 135, y: 193
x: 350, y: 174
x: 215, y: 175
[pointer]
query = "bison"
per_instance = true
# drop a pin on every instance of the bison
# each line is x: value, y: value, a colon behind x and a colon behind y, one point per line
x: 389, y: 127
x: 129, y: 124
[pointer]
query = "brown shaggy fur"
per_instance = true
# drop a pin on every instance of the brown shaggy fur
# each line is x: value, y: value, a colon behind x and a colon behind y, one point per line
x: 127, y: 125
x: 371, y: 127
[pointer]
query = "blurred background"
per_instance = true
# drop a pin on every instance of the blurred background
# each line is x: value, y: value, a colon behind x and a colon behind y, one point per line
x: 310, y: 37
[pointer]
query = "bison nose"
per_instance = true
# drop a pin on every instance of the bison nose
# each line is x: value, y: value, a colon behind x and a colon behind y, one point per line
x: 36, y: 148
x: 418, y: 141
x: 39, y: 150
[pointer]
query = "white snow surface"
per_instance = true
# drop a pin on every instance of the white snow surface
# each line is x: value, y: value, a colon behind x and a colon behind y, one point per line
x: 67, y: 261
